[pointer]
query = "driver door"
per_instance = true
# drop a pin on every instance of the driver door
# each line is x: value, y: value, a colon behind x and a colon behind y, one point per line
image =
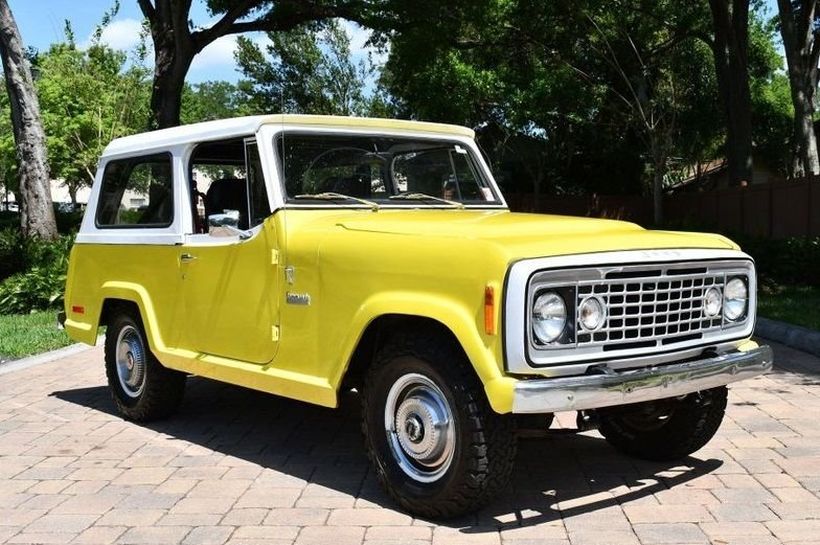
x: 230, y: 283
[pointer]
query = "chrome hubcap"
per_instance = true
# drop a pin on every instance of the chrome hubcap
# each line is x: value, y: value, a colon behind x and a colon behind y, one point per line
x: 131, y: 362
x: 419, y: 425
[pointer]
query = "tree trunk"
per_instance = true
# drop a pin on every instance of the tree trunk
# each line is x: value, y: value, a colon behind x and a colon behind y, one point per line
x: 805, y: 140
x: 173, y: 54
x: 802, y: 52
x: 36, y: 211
x: 730, y: 50
x: 72, y: 194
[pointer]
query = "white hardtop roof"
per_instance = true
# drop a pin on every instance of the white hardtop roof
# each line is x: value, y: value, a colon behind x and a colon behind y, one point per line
x: 246, y: 126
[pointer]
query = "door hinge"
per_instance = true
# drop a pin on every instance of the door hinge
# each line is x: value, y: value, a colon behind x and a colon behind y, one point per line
x: 274, y: 333
x: 274, y: 257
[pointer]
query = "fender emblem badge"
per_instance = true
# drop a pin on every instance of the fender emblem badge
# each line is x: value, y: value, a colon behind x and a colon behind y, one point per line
x: 297, y: 298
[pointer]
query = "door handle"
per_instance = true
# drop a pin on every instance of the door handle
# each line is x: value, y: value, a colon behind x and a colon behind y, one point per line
x: 187, y: 258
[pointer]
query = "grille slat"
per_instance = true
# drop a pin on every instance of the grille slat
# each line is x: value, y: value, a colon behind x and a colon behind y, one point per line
x: 657, y: 307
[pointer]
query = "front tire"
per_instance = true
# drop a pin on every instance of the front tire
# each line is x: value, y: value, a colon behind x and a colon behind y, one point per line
x: 141, y: 387
x: 437, y: 447
x: 667, y: 429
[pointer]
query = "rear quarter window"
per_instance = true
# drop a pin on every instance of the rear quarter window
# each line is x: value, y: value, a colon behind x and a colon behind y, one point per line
x: 137, y: 192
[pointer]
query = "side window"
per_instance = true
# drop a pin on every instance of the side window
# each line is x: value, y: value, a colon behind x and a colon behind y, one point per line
x: 137, y: 192
x: 258, y: 195
x: 226, y: 177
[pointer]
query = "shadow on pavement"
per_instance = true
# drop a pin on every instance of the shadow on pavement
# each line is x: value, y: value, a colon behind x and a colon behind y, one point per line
x: 560, y: 476
x: 794, y: 366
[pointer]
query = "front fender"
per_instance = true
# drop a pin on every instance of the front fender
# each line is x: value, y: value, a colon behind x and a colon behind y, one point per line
x: 453, y: 315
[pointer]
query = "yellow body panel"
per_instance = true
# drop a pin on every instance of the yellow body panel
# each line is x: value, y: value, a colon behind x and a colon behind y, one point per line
x: 227, y: 315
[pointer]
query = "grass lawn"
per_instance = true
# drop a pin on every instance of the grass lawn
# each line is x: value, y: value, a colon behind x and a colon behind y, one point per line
x: 799, y: 305
x: 26, y: 334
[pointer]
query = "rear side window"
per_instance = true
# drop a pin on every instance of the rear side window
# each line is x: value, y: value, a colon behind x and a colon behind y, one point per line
x: 137, y: 192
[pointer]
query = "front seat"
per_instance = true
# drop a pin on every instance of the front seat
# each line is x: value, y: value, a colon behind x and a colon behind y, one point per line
x: 228, y: 194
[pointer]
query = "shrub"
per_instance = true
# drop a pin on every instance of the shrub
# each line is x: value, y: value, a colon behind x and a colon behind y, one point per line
x: 12, y: 257
x: 794, y: 260
x: 9, y: 219
x: 36, y: 289
x: 787, y: 261
x: 41, y: 282
x: 68, y: 221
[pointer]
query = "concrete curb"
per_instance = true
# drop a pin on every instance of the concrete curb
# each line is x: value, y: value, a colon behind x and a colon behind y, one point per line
x: 795, y: 336
x: 31, y: 361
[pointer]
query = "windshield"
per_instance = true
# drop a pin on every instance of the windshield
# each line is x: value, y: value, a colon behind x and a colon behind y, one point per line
x: 387, y: 170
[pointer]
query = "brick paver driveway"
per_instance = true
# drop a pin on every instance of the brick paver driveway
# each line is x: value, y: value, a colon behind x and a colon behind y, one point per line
x: 237, y: 466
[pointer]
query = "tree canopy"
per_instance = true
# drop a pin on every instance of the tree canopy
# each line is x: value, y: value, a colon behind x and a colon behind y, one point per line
x: 567, y: 97
x: 88, y: 97
x: 307, y: 69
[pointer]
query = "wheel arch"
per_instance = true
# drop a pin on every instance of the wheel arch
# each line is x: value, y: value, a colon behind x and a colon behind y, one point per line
x: 378, y: 331
x: 444, y: 317
x: 133, y: 297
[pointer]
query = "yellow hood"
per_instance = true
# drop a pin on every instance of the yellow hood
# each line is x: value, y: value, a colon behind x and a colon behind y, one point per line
x: 526, y: 235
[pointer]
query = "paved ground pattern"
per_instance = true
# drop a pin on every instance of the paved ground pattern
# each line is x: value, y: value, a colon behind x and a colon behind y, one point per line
x: 240, y: 467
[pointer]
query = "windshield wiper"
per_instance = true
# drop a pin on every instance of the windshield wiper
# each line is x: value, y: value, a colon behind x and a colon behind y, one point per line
x: 424, y: 197
x: 331, y: 196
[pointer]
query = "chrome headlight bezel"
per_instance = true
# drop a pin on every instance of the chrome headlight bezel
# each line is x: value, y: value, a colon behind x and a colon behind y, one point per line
x: 706, y: 302
x: 556, y: 326
x: 736, y: 299
x: 593, y: 302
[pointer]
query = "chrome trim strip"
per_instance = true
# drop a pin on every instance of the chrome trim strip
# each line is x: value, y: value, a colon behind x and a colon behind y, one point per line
x: 647, y: 384
x: 515, y: 305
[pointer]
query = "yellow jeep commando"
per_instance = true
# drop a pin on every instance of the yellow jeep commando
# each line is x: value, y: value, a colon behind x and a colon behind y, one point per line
x: 305, y: 256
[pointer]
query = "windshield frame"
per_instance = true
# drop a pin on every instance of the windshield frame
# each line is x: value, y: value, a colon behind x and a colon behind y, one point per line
x: 475, y: 161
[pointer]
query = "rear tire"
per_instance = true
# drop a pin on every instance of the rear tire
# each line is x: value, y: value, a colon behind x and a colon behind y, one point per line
x: 448, y: 453
x: 141, y: 387
x: 667, y: 429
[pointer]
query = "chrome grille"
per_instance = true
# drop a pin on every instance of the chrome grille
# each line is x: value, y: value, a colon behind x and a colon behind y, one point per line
x: 658, y: 307
x: 639, y: 276
x: 651, y: 308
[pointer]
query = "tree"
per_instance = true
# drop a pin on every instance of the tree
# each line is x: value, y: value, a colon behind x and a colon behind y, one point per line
x: 36, y: 211
x: 8, y: 150
x: 602, y: 102
x: 730, y: 45
x: 800, y: 26
x: 176, y: 42
x: 88, y: 98
x: 212, y: 100
x: 305, y: 70
x: 650, y: 97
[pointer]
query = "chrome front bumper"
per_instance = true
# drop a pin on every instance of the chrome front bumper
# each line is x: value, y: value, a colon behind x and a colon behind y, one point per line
x: 634, y: 386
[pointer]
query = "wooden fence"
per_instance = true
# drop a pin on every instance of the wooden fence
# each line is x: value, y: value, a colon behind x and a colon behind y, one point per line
x: 775, y: 210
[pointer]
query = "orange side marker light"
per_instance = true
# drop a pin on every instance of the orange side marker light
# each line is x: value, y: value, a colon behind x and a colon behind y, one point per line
x: 489, y: 310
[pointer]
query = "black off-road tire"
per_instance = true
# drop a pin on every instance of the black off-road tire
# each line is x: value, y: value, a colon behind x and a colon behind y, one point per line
x: 485, y: 442
x: 689, y: 424
x: 162, y: 388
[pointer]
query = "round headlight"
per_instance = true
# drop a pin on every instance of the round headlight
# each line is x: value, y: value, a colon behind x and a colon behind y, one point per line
x: 712, y: 302
x: 735, y: 299
x: 549, y: 317
x: 591, y: 313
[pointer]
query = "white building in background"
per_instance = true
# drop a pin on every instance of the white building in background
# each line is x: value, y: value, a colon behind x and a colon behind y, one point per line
x: 60, y: 195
